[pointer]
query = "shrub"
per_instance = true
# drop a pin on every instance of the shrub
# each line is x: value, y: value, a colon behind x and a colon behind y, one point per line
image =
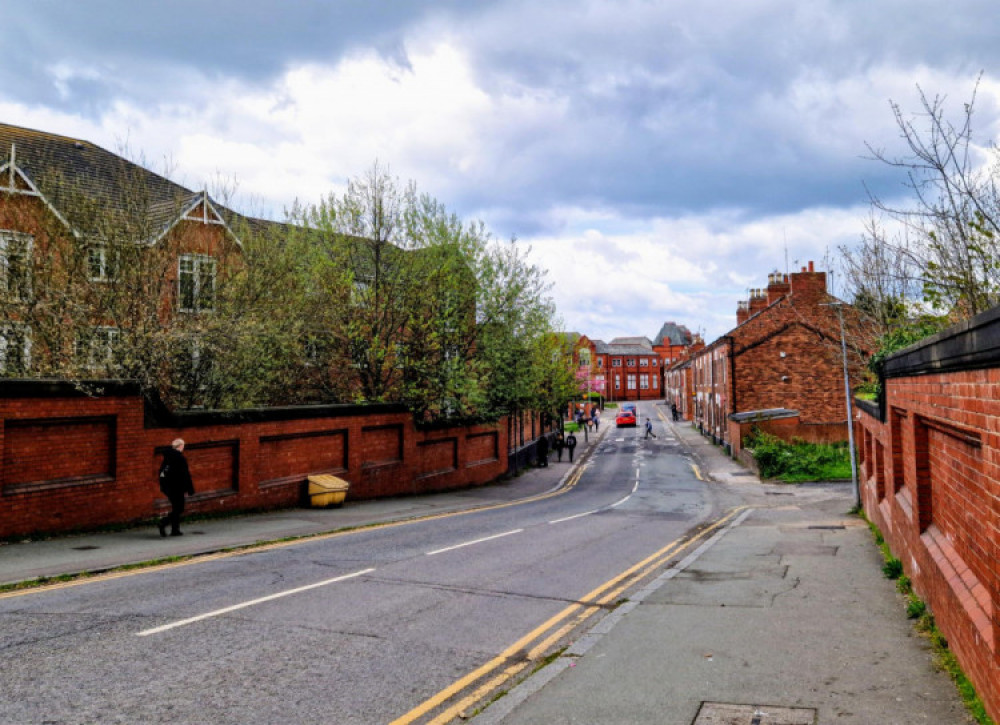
x: 797, y: 461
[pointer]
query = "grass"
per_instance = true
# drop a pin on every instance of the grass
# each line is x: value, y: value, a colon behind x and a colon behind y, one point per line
x: 916, y: 609
x: 798, y: 461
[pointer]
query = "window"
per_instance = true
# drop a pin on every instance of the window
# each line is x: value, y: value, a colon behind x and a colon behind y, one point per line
x: 631, y: 382
x: 196, y: 281
x: 616, y: 362
x: 618, y: 382
x: 95, y: 348
x: 584, y: 358
x: 630, y: 362
x: 15, y: 348
x: 644, y: 381
x: 654, y: 382
x: 99, y: 264
x: 15, y: 264
x: 644, y: 362
x: 600, y: 362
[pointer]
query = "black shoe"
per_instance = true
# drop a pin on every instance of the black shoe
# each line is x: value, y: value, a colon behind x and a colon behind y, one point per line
x: 162, y: 526
x: 177, y: 533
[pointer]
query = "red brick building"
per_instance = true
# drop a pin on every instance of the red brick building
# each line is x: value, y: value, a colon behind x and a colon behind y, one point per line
x: 784, y: 354
x: 629, y: 368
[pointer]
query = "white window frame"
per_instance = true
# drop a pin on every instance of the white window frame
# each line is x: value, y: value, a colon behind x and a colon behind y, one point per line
x: 6, y: 333
x: 644, y: 362
x: 199, y: 263
x: 97, y: 350
x: 618, y: 382
x: 616, y: 362
x: 644, y: 381
x: 103, y: 266
x: 630, y: 362
x: 9, y: 237
x: 630, y: 381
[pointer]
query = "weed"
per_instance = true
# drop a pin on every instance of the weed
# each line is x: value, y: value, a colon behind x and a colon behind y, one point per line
x: 893, y: 568
x: 915, y: 607
x: 904, y: 585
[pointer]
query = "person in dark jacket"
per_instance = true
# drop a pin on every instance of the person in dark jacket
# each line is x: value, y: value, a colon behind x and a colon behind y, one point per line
x: 175, y: 483
x: 570, y: 445
x: 542, y: 451
x: 559, y: 444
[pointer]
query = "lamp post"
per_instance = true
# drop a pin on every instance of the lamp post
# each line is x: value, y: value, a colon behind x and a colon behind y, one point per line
x: 850, y: 406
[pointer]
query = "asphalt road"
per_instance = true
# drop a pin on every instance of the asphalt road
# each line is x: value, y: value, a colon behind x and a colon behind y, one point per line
x: 414, y: 622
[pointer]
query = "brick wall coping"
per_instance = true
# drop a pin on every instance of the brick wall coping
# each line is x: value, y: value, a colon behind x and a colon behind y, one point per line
x: 54, y: 388
x: 767, y: 414
x: 969, y: 345
x: 157, y: 415
x: 870, y: 407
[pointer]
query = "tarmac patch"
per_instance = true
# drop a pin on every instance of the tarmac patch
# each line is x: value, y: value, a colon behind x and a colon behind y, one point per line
x: 718, y: 713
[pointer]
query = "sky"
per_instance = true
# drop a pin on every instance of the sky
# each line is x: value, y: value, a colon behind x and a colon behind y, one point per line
x: 658, y: 159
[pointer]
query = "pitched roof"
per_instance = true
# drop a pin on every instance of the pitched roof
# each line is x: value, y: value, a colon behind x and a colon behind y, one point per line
x: 673, y: 334
x: 635, y: 341
x: 66, y: 171
x: 601, y: 347
x: 619, y: 349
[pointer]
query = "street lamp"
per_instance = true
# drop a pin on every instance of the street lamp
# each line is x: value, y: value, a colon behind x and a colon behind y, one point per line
x: 850, y: 406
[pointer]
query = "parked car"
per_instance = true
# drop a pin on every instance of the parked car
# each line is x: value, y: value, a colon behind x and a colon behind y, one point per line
x: 625, y: 419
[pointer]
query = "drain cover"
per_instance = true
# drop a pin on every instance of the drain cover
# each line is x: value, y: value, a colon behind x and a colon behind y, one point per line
x: 718, y: 713
x: 85, y: 548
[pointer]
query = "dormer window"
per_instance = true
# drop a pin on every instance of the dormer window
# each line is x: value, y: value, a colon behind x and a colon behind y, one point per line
x: 99, y: 263
x: 196, y: 283
x: 15, y: 264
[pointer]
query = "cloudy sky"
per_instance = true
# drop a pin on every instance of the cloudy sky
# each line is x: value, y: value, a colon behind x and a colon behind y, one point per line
x: 658, y: 157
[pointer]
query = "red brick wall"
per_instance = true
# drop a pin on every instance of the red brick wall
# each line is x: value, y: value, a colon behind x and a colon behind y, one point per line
x: 75, y: 462
x: 930, y: 480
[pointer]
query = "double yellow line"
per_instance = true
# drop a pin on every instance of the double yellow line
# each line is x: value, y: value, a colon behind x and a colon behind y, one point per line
x: 532, y: 647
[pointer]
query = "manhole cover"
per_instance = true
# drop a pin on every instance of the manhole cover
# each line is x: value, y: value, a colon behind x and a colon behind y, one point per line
x: 743, y: 473
x: 830, y: 527
x: 717, y: 713
x: 85, y: 548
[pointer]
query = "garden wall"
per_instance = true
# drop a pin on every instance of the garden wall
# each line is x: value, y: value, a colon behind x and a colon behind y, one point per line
x: 76, y: 461
x: 929, y: 467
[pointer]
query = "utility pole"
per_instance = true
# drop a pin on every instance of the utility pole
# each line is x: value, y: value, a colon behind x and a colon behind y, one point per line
x: 850, y: 406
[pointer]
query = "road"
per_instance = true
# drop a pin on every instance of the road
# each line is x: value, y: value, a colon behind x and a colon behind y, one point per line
x: 415, y: 622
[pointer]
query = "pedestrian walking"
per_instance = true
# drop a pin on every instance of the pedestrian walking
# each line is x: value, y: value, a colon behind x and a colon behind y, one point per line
x: 175, y: 483
x: 597, y: 419
x: 570, y: 445
x: 649, y: 428
x: 673, y: 410
x: 542, y: 451
x: 559, y: 444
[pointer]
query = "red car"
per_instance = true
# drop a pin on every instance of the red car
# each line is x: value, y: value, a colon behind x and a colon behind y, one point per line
x: 625, y: 419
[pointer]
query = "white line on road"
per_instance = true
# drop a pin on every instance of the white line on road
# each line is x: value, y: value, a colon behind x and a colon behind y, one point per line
x: 252, y: 602
x: 618, y: 503
x: 574, y: 516
x: 477, y: 541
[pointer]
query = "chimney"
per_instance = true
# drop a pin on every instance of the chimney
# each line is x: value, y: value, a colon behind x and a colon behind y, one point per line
x: 777, y: 287
x: 742, y: 312
x: 758, y: 301
x: 808, y: 286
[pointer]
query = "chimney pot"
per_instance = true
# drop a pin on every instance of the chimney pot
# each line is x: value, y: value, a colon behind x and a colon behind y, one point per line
x: 811, y: 266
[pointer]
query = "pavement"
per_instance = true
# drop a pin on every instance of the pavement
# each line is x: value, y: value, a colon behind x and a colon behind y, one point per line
x: 782, y: 617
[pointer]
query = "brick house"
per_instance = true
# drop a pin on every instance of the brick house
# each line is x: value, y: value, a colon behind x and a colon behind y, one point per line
x: 55, y: 193
x: 783, y: 355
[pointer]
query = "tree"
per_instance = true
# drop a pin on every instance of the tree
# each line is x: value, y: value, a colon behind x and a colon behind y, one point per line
x: 948, y: 237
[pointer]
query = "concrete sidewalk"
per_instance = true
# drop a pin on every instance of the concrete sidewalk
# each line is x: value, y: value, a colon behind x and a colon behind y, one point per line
x: 783, y: 617
x: 96, y: 552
